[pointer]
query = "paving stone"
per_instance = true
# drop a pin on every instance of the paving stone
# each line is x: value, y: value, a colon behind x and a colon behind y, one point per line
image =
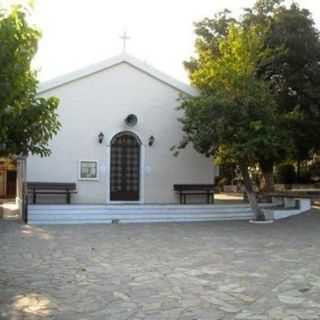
x: 195, y: 271
x: 290, y: 299
x: 121, y: 296
x: 229, y: 308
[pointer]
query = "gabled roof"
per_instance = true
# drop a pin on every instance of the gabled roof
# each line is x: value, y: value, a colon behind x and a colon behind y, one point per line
x: 106, y: 64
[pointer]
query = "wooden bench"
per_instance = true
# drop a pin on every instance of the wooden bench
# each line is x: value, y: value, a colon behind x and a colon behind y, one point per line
x: 185, y: 190
x: 51, y: 188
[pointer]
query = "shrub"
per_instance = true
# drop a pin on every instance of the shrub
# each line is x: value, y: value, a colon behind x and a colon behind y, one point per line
x: 285, y: 174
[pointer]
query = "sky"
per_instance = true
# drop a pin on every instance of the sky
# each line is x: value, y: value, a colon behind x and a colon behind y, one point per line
x: 77, y: 33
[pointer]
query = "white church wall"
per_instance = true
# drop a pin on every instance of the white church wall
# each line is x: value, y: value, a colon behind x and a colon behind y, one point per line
x: 99, y: 103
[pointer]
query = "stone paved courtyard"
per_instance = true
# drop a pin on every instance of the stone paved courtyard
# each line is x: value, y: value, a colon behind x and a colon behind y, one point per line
x: 195, y: 271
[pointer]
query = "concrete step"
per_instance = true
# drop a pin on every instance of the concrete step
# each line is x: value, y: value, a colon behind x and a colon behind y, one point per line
x: 81, y: 214
x: 136, y: 215
x: 145, y: 220
x: 88, y: 221
x: 136, y: 212
x: 139, y: 206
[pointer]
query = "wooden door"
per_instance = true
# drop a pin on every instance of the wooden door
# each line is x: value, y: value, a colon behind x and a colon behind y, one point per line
x: 2, y: 183
x: 11, y: 184
x: 125, y: 168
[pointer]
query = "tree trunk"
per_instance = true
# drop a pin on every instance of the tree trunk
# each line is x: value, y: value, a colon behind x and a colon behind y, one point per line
x: 267, y: 184
x: 259, y: 216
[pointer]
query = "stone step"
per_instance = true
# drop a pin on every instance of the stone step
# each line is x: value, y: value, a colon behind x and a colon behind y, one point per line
x: 80, y: 214
x: 87, y: 221
x: 133, y: 207
x: 96, y: 220
x: 137, y: 212
x: 133, y: 216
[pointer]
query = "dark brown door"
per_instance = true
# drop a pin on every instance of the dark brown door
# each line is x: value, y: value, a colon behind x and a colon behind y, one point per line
x: 11, y: 184
x: 125, y: 168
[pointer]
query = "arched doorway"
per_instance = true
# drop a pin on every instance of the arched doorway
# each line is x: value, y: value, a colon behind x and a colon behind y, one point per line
x: 125, y: 167
x: 8, y: 178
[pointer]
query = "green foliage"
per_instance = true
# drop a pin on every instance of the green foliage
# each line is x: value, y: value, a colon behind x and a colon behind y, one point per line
x: 294, y: 74
x: 305, y: 175
x: 285, y: 59
x: 315, y: 169
x: 259, y: 80
x: 27, y: 122
x: 285, y: 173
x: 261, y: 13
x: 209, y: 33
x: 229, y: 119
x: 228, y: 172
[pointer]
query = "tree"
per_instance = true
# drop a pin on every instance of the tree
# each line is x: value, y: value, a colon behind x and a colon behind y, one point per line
x: 210, y: 30
x: 229, y: 119
x: 292, y: 71
x: 294, y: 74
x: 27, y: 122
x: 261, y: 15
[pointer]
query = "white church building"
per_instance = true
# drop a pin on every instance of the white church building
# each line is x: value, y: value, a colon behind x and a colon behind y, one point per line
x: 119, y: 120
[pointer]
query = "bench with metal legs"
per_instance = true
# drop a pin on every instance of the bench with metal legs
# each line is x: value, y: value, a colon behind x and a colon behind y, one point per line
x: 185, y: 190
x: 51, y: 188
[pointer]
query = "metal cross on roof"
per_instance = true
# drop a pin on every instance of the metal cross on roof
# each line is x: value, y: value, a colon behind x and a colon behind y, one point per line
x: 124, y: 37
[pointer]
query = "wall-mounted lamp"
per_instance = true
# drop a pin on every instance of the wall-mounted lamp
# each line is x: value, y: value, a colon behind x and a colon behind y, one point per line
x: 100, y: 137
x: 151, y: 141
